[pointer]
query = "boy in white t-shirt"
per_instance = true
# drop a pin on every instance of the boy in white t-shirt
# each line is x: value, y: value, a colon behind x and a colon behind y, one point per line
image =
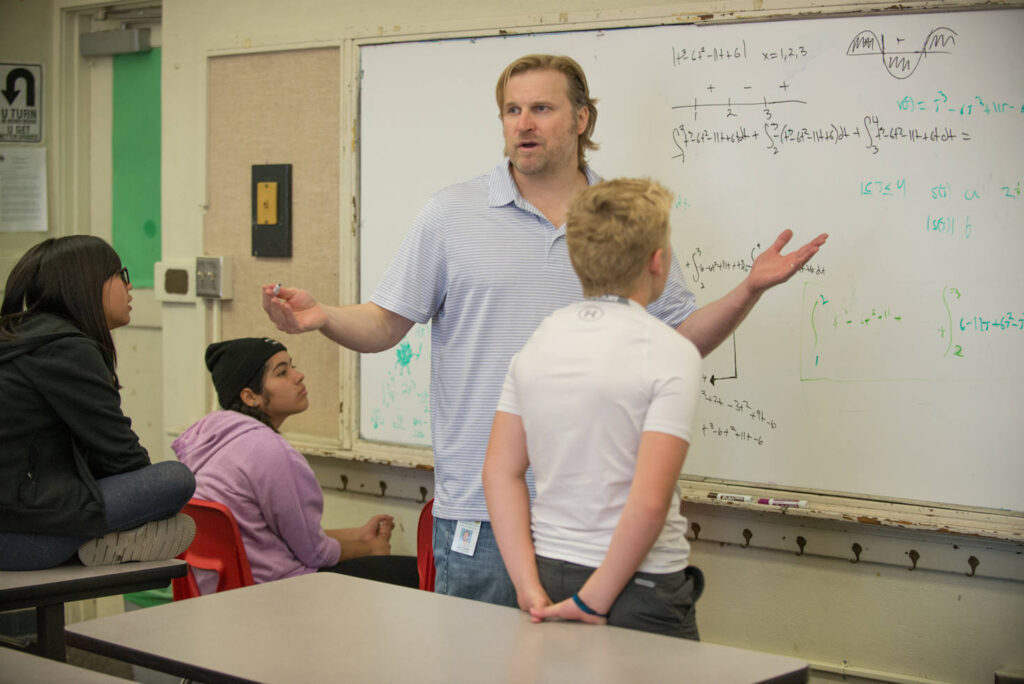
x: 600, y: 404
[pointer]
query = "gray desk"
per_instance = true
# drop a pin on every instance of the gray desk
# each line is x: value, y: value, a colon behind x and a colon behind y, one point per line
x: 48, y: 590
x: 25, y: 668
x: 328, y: 627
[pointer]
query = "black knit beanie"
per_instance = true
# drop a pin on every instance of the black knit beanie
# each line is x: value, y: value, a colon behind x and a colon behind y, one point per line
x: 234, y: 364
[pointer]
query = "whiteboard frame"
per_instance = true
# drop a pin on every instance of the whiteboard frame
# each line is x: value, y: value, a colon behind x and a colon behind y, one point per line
x: 990, y: 524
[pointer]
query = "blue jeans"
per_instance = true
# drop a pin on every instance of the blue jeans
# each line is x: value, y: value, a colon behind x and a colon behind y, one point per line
x: 481, y: 576
x: 131, y: 499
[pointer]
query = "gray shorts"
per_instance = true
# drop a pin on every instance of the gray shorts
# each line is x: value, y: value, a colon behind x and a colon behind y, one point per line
x: 663, y: 604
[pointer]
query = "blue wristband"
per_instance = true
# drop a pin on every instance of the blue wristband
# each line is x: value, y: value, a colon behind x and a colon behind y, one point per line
x: 585, y: 608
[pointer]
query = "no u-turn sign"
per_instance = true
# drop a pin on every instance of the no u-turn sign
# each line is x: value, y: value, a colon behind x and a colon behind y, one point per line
x: 21, y: 103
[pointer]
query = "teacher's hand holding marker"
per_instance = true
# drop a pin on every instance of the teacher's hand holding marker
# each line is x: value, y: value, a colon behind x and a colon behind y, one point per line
x: 364, y: 328
x: 292, y: 310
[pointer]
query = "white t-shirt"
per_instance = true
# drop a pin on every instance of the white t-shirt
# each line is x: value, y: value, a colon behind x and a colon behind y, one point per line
x: 593, y: 377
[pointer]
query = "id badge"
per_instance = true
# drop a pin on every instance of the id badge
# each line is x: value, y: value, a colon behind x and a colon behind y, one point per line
x: 466, y: 534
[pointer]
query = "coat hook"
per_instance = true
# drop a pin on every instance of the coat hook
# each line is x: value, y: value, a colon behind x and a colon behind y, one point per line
x: 747, y: 534
x: 344, y: 483
x: 914, y: 557
x: 974, y: 563
x: 696, y: 530
x: 383, y: 487
x: 801, y: 542
x: 423, y: 495
x: 856, y: 548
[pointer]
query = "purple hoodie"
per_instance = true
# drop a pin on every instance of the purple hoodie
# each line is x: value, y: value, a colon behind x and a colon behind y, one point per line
x: 269, y: 487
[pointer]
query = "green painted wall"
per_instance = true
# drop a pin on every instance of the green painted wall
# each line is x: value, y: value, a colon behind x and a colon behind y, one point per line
x: 136, y: 163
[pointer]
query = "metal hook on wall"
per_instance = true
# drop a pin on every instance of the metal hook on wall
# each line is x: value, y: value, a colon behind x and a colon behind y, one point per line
x: 914, y: 557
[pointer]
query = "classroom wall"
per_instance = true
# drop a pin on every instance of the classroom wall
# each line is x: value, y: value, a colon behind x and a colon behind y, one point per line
x: 26, y: 30
x: 870, y: 621
x: 279, y: 108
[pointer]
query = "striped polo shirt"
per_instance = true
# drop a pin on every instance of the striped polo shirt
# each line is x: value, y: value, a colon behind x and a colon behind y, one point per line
x: 485, y: 267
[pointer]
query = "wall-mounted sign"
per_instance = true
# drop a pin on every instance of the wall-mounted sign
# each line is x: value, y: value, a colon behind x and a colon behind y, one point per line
x: 21, y: 103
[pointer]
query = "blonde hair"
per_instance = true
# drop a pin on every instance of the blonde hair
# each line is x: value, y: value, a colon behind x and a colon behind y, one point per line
x: 578, y: 93
x: 612, y: 229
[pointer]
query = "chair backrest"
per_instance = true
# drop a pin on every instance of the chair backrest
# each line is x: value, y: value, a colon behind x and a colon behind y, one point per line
x: 425, y: 547
x: 217, y: 546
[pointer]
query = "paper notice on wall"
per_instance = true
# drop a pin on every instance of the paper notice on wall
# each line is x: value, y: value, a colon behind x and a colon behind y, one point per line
x: 22, y: 189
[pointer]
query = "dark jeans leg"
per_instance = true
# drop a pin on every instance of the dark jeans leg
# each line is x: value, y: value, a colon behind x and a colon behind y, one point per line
x: 20, y: 551
x: 155, y: 492
x: 400, y: 570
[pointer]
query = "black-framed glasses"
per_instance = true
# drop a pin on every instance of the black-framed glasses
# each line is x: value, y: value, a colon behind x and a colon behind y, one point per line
x: 123, y: 275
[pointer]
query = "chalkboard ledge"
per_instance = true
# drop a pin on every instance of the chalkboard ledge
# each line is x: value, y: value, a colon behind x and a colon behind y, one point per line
x: 381, y: 453
x: 917, y: 516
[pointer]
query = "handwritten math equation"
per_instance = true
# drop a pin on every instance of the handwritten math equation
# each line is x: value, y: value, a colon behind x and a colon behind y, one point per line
x: 709, y: 429
x: 853, y: 334
x: 836, y: 316
x: 976, y: 323
x: 709, y: 53
x: 974, y: 106
x: 697, y: 266
x: 943, y: 222
x: 740, y: 406
x: 737, y: 52
x: 872, y: 133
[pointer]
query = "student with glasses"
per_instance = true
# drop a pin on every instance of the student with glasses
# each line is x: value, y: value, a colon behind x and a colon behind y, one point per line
x: 73, y: 477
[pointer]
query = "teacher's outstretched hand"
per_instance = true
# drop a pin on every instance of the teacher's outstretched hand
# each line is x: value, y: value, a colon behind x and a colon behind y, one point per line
x: 772, y: 267
x: 292, y: 310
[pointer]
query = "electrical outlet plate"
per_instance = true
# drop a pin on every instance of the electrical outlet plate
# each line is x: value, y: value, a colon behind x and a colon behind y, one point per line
x: 213, y: 277
x: 174, y: 280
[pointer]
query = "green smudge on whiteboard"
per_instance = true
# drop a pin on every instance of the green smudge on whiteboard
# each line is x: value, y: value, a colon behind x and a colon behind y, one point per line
x: 136, y: 163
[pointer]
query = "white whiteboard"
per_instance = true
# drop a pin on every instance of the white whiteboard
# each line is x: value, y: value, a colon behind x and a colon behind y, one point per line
x: 893, y: 366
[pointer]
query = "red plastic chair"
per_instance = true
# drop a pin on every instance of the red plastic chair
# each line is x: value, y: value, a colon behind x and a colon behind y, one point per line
x: 425, y: 547
x: 217, y: 546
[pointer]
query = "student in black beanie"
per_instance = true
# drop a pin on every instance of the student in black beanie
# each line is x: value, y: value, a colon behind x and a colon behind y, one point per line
x: 237, y: 364
x: 240, y: 460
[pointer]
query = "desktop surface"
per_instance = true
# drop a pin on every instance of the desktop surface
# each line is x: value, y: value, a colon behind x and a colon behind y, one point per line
x: 325, y: 626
